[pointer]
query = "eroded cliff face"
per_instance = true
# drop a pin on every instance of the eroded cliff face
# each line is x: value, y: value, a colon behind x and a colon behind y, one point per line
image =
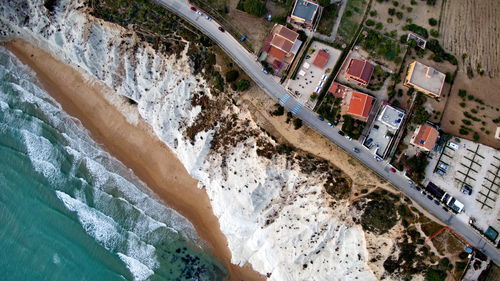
x: 271, y: 202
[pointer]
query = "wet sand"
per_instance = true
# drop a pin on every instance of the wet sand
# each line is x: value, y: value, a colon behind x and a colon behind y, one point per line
x: 134, y: 145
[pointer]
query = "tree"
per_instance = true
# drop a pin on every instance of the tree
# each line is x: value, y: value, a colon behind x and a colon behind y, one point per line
x: 433, y: 274
x: 254, y: 7
x: 232, y: 75
x: 433, y: 21
x: 297, y: 123
x: 242, y: 85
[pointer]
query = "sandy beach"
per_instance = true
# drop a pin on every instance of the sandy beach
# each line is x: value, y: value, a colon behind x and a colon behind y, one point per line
x: 134, y: 145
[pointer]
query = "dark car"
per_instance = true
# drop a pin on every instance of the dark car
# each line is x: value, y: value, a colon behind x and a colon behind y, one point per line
x: 445, y: 209
x: 436, y: 202
x: 356, y: 149
x: 193, y: 9
x: 341, y: 133
x: 417, y: 188
x: 430, y: 197
x: 221, y: 29
x: 368, y: 142
x: 321, y: 118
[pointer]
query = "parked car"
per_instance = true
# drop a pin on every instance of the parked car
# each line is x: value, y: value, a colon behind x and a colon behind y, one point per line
x: 265, y: 71
x: 348, y: 138
x: 430, y: 197
x: 368, y: 142
x: 443, y: 166
x: 437, y: 202
x: 357, y: 150
x: 466, y: 189
x: 209, y: 18
x: 193, y: 9
x: 392, y: 170
x: 452, y: 145
x: 410, y: 182
x: 330, y: 124
x: 221, y: 29
x: 378, y: 158
x: 341, y: 133
x: 417, y: 188
x: 440, y: 172
x: 321, y: 118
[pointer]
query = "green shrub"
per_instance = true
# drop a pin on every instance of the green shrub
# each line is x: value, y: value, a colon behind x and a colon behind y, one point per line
x: 242, y: 85
x: 466, y: 122
x: 462, y: 93
x: 370, y: 22
x: 434, y: 33
x: 379, y: 26
x: 462, y: 104
x: 417, y: 29
x: 373, y: 13
x: 297, y: 123
x: 392, y: 11
x: 232, y: 75
x: 399, y: 14
x: 463, y: 131
x: 433, y: 21
x: 434, y: 274
x: 475, y: 136
x: 395, y: 3
x: 413, y: 2
x: 409, y: 9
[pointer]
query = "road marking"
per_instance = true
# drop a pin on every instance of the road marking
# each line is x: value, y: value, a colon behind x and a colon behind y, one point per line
x: 284, y: 99
x: 296, y: 108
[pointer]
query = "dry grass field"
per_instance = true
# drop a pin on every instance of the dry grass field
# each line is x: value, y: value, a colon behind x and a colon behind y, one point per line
x: 472, y: 27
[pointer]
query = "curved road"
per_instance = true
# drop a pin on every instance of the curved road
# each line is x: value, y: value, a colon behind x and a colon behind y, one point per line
x: 248, y: 62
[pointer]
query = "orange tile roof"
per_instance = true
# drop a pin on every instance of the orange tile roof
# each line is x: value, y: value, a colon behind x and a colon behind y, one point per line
x: 426, y: 137
x: 360, y: 104
x: 276, y: 53
x: 282, y: 43
x: 321, y: 59
x: 287, y: 33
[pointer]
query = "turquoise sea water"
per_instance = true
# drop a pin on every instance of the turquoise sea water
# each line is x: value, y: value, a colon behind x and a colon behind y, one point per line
x: 69, y: 211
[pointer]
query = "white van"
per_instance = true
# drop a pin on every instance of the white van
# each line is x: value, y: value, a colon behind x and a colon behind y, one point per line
x: 453, y: 145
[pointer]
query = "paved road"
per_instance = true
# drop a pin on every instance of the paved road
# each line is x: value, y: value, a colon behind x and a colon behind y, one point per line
x: 249, y: 64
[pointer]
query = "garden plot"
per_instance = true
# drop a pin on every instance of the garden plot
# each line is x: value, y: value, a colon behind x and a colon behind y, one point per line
x: 391, y: 17
x: 477, y: 166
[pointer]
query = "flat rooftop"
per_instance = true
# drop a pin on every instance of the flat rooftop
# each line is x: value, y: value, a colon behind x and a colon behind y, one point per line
x: 305, y: 9
x: 427, y: 78
x: 391, y: 116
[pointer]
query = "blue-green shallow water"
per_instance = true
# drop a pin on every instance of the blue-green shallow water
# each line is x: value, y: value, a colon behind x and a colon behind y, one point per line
x: 69, y: 211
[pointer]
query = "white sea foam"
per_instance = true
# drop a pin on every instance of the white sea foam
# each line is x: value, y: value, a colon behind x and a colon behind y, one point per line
x: 304, y: 239
x: 139, y: 270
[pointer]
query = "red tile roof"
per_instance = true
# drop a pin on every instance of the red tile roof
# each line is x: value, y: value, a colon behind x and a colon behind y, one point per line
x: 337, y: 90
x: 426, y: 137
x: 282, y: 43
x: 360, y: 104
x: 276, y: 53
x: 360, y: 70
x: 321, y: 59
x: 287, y: 33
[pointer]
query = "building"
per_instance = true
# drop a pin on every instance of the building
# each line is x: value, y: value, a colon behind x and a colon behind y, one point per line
x: 280, y: 48
x: 425, y: 79
x: 359, y: 70
x: 359, y: 105
x: 391, y: 116
x: 304, y: 12
x: 338, y: 90
x: 425, y: 137
x: 321, y: 59
x: 497, y: 133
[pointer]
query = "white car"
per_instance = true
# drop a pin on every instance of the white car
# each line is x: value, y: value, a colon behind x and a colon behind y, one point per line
x: 453, y: 145
x: 348, y: 138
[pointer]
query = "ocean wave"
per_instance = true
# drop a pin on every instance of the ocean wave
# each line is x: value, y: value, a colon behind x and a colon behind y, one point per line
x: 112, y: 205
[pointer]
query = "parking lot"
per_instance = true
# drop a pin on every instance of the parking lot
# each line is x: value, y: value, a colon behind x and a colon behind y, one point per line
x: 311, y: 78
x: 464, y: 168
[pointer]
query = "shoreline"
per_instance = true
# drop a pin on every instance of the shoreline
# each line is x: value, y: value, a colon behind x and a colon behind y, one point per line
x: 135, y: 146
